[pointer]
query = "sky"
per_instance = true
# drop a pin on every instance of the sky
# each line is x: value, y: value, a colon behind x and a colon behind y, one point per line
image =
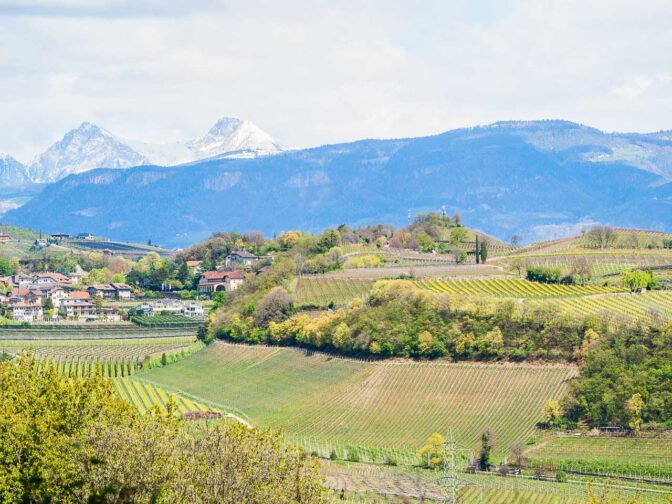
x: 317, y: 72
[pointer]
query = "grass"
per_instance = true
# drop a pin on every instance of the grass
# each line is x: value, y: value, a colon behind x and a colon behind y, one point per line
x: 341, y: 403
x: 145, y: 397
x: 512, y: 288
x: 320, y: 291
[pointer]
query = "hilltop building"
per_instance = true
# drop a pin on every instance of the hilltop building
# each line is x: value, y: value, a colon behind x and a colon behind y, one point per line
x: 215, y: 281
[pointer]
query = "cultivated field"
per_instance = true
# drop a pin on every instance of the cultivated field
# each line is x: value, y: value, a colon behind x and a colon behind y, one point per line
x: 652, y: 306
x: 334, y: 403
x: 145, y: 397
x: 320, y: 291
x: 512, y: 288
x: 402, y: 484
x: 450, y: 271
x: 648, y: 457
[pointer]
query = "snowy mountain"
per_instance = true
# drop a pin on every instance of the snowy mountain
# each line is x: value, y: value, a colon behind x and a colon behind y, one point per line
x: 91, y: 146
x: 12, y: 173
x: 83, y: 149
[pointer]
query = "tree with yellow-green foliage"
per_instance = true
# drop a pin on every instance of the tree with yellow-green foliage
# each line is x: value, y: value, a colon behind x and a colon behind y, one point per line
x: 73, y: 440
x: 432, y: 454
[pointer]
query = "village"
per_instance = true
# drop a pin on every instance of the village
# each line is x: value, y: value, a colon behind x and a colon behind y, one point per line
x: 50, y: 297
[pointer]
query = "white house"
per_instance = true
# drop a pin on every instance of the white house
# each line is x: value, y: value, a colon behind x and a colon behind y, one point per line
x: 26, y: 312
x: 194, y: 310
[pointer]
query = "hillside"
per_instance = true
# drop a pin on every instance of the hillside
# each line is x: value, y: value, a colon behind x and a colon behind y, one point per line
x: 534, y: 179
x: 317, y: 397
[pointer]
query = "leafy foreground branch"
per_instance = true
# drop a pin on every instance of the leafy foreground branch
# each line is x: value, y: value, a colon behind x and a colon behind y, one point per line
x: 74, y: 440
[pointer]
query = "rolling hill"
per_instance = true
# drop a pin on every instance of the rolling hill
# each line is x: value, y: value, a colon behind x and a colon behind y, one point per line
x: 541, y: 179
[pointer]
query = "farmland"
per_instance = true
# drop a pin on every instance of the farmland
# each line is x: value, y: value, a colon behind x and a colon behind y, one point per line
x: 146, y: 397
x: 372, y: 484
x: 321, y: 400
x: 512, y: 288
x: 320, y: 291
x: 650, y: 457
x: 651, y: 306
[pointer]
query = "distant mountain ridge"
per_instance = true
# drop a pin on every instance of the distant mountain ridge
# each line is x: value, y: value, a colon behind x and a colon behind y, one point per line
x: 89, y: 146
x: 538, y: 179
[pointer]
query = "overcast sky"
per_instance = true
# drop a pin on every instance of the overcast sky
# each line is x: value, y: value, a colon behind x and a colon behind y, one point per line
x: 316, y: 72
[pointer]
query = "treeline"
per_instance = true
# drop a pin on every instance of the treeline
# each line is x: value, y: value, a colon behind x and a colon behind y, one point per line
x: 73, y: 440
x: 400, y: 320
x: 626, y: 379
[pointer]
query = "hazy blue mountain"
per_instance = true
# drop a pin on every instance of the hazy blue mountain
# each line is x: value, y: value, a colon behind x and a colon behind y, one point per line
x: 537, y: 179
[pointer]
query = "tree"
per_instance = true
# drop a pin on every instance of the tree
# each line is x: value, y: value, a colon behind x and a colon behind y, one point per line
x: 516, y: 239
x: 432, y: 453
x: 552, y: 413
x: 5, y: 266
x: 458, y: 235
x: 48, y: 306
x: 487, y: 446
x: 484, y: 251
x: 633, y: 411
x: 601, y: 237
x: 636, y: 280
x: 581, y: 268
x: 477, y: 252
x: 274, y: 307
x: 75, y: 440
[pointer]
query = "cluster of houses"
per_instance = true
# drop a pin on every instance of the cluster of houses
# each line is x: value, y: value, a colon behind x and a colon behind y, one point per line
x: 25, y: 296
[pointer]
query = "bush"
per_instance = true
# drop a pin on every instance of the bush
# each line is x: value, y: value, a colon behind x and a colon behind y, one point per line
x: 543, y: 274
x: 364, y: 261
x: 561, y: 477
x: 353, y: 455
x: 333, y: 456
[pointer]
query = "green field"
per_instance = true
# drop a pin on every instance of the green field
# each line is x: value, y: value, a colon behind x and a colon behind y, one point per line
x: 512, y: 288
x: 321, y: 291
x: 328, y: 402
x: 651, y: 457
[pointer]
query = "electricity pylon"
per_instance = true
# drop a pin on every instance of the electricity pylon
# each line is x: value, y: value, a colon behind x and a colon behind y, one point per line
x: 451, y: 483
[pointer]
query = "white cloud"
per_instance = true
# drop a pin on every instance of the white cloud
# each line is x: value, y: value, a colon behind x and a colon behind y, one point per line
x: 315, y: 72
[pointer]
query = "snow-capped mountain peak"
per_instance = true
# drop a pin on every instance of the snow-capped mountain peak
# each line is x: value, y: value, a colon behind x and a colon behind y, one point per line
x: 89, y: 146
x: 231, y: 137
x: 12, y: 173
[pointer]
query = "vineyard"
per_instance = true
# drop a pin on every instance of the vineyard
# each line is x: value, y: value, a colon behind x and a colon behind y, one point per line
x: 602, y: 264
x: 146, y: 397
x: 653, y: 306
x: 320, y: 291
x: 342, y: 403
x: 397, y: 484
x: 112, y: 358
x: 165, y: 321
x: 65, y: 332
x: 647, y: 457
x: 512, y: 288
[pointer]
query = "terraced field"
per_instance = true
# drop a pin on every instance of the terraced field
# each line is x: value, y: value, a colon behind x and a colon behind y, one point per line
x: 512, y: 288
x: 321, y: 291
x: 92, y: 331
x: 334, y: 402
x: 652, y: 306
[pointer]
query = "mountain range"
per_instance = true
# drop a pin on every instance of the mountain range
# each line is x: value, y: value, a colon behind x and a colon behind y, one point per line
x: 538, y: 179
x: 89, y: 146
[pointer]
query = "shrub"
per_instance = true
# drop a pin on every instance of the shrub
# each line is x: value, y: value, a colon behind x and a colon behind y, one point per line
x: 332, y: 455
x: 364, y: 261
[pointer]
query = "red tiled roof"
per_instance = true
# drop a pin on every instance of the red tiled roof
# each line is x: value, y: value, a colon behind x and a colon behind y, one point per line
x: 56, y: 277
x: 221, y: 275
